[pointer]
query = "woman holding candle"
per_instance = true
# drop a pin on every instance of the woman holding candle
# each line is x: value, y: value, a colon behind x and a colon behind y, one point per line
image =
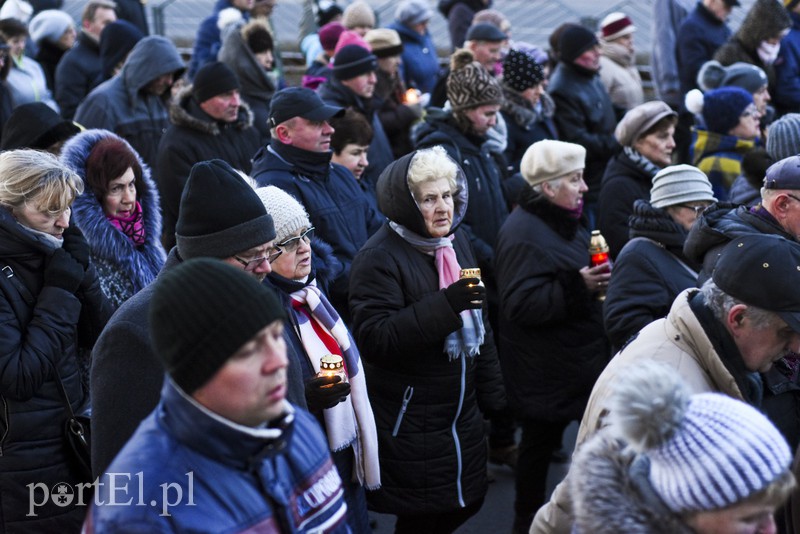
x: 428, y: 348
x: 551, y: 324
x: 342, y: 408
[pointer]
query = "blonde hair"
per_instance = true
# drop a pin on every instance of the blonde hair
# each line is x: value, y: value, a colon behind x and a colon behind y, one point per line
x: 38, y: 179
x: 429, y: 165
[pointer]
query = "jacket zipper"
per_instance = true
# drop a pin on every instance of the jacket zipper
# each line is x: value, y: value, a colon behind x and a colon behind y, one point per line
x: 406, y: 399
x: 456, y: 441
x: 7, y: 422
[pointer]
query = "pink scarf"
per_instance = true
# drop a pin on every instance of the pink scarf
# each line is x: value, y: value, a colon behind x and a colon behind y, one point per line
x: 132, y: 226
x: 469, y: 338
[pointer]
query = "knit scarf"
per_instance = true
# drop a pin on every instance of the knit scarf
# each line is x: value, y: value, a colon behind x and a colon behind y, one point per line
x: 351, y: 422
x: 469, y: 338
x: 642, y: 162
x: 132, y: 226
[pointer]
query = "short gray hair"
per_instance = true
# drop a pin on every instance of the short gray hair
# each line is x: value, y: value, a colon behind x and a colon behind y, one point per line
x: 721, y: 303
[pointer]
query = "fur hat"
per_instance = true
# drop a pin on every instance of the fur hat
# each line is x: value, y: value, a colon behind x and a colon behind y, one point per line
x: 640, y: 119
x: 521, y: 71
x: 49, y: 25
x: 713, y: 75
x: 329, y: 35
x: 547, y: 160
x: 220, y: 215
x: 678, y: 184
x: 288, y: 215
x: 574, y: 41
x: 327, y: 11
x: 214, y: 79
x: 384, y: 42
x: 256, y: 34
x: 616, y: 25
x: 469, y: 84
x: 353, y: 60
x: 783, y: 139
x: 201, y: 313
x: 358, y: 14
x: 412, y: 12
x: 707, y: 451
x: 722, y: 108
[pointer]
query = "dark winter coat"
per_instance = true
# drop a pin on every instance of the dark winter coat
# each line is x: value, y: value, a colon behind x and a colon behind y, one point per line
x: 380, y: 150
x: 123, y: 267
x: 122, y: 106
x: 134, y: 12
x: 77, y: 74
x: 459, y: 15
x: 48, y: 55
x: 767, y: 19
x: 586, y: 117
x: 35, y: 337
x: 336, y: 205
x: 420, y: 62
x: 256, y: 86
x: 396, y: 118
x: 551, y: 327
x: 195, y: 136
x: 612, y: 492
x: 487, y: 208
x: 430, y: 431
x: 624, y: 182
x: 649, y: 273
x: 524, y: 126
x: 208, y: 39
x: 787, y: 70
x: 699, y: 37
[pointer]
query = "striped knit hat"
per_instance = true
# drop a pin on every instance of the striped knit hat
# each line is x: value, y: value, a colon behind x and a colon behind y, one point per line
x: 707, y: 451
x: 469, y: 84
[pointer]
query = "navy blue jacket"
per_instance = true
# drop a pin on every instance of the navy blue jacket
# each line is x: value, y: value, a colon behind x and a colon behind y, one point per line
x: 787, y: 70
x: 420, y: 63
x: 699, y: 36
x: 208, y: 40
x: 76, y: 74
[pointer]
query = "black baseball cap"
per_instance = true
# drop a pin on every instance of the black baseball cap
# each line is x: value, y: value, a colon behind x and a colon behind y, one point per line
x: 784, y: 174
x: 299, y: 102
x: 762, y: 270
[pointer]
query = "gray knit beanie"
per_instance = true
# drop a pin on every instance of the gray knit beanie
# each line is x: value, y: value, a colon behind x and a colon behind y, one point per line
x: 678, y: 184
x: 220, y: 215
x: 707, y: 451
x: 288, y: 215
x: 783, y: 139
x: 202, y: 312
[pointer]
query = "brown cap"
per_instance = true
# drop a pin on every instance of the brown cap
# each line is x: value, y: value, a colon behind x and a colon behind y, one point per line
x: 640, y: 119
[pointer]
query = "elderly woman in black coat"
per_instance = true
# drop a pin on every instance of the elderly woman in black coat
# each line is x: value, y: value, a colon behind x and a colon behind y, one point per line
x: 51, y: 307
x: 645, y: 133
x: 551, y: 329
x: 652, y: 269
x: 427, y: 347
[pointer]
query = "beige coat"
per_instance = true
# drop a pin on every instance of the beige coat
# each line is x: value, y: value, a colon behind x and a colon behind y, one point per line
x: 677, y: 340
x: 620, y: 77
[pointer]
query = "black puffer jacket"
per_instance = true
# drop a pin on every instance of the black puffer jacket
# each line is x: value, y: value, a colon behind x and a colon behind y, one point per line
x: 525, y: 126
x: 487, y: 207
x: 649, y: 273
x: 586, y: 117
x: 432, y: 444
x: 34, y: 338
x: 194, y: 136
x: 551, y: 327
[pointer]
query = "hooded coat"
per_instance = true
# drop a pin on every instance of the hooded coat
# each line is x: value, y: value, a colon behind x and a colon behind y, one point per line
x: 430, y: 430
x: 195, y: 136
x: 767, y: 19
x: 123, y: 267
x: 121, y: 104
x: 648, y: 274
x: 35, y: 338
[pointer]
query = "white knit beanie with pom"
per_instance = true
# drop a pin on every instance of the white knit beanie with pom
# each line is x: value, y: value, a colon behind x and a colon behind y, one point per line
x: 288, y: 215
x: 707, y: 451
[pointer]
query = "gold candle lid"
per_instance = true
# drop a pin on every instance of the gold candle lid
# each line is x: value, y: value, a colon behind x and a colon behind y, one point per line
x: 331, y: 362
x: 470, y: 273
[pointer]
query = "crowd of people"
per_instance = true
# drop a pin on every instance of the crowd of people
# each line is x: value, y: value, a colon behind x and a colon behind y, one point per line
x: 279, y: 307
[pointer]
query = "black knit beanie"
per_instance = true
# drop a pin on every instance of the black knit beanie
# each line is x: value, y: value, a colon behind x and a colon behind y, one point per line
x: 353, y: 60
x: 220, y: 215
x: 214, y: 79
x: 574, y: 41
x: 202, y: 312
x: 258, y: 38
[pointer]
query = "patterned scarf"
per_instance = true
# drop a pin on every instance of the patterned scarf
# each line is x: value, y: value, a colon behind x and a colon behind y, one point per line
x: 469, y: 338
x: 351, y: 422
x: 642, y: 162
x: 132, y: 226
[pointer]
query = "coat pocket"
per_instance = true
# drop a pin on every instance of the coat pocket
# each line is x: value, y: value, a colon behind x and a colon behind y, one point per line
x: 409, y: 392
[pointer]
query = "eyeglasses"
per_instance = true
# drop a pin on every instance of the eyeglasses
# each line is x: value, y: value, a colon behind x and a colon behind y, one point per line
x: 751, y: 111
x: 794, y: 197
x: 291, y: 244
x: 697, y: 209
x: 253, y: 264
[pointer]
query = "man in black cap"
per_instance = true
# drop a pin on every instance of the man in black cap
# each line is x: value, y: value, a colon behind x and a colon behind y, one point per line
x: 718, y: 338
x: 298, y: 160
x: 585, y: 113
x: 220, y: 217
x: 353, y: 86
x: 235, y: 454
x: 208, y: 120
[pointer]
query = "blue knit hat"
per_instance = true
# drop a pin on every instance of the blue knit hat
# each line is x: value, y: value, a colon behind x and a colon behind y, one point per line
x: 722, y: 108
